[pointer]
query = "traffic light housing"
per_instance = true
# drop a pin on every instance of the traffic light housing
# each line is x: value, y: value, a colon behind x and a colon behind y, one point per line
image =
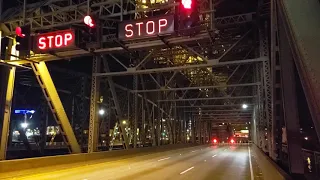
x: 188, y: 16
x: 88, y: 37
x: 23, y: 40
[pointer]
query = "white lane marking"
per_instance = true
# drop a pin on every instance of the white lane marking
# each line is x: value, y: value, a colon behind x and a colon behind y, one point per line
x: 193, y: 151
x: 187, y: 170
x: 164, y: 159
x: 251, y: 171
x: 214, y: 155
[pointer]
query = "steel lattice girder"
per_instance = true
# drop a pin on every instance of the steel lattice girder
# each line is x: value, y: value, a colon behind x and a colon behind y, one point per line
x: 56, y: 13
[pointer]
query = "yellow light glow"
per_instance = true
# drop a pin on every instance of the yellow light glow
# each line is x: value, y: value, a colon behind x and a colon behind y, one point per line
x: 244, y: 131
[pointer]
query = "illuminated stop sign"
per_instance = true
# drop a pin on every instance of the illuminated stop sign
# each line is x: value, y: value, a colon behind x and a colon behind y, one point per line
x: 55, y: 40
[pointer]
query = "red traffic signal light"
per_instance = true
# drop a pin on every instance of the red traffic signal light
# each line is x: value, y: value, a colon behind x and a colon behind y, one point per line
x: 186, y: 4
x: 188, y: 15
x: 23, y: 40
x: 89, y: 21
x: 19, y: 32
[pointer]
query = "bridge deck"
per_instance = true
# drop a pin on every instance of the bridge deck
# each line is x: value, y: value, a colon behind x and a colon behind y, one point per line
x: 223, y: 162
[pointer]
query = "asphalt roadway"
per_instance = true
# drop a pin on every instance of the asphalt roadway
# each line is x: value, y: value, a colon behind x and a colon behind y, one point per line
x: 201, y: 163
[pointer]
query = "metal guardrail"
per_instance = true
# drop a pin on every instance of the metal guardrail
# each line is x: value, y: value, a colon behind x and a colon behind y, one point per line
x: 311, y: 160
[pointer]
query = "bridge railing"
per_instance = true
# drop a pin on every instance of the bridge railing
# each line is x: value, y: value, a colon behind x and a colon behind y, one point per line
x: 311, y: 160
x: 230, y: 144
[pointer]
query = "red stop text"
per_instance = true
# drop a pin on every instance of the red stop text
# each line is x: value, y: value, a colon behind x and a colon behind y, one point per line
x: 55, y: 40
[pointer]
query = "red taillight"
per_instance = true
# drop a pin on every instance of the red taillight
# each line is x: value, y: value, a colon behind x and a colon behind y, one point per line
x: 214, y: 141
x: 232, y: 141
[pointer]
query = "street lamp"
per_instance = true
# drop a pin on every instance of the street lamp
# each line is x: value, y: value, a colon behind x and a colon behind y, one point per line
x: 244, y: 106
x: 24, y: 125
x: 101, y: 111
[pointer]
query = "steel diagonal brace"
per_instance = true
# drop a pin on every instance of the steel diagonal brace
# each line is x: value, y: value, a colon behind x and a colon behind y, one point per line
x: 144, y: 60
x: 119, y: 113
x: 49, y: 90
x: 236, y: 43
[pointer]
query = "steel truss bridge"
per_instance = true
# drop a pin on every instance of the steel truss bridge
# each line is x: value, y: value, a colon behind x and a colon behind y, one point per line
x: 184, y: 86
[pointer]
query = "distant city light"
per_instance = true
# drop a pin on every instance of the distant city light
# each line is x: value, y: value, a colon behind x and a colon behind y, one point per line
x: 124, y: 122
x: 101, y: 111
x: 306, y: 138
x: 24, y: 125
x: 244, y: 106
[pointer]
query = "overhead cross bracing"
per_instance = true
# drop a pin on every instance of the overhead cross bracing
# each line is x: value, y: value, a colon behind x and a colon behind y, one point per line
x: 62, y: 14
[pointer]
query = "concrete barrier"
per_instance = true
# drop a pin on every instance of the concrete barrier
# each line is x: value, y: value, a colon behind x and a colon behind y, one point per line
x: 270, y: 170
x: 24, y: 166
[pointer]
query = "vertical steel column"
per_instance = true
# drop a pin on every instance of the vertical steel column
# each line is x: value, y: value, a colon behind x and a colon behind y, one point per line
x: 82, y: 113
x: 94, y: 116
x: 174, y: 123
x: 193, y: 133
x: 146, y: 105
x: 210, y: 130
x: 254, y: 126
x: 143, y: 125
x: 72, y: 111
x: 115, y: 99
x: 136, y: 116
x: 181, y: 128
x: 184, y: 122
x: 291, y: 116
x: 8, y: 104
x: 197, y: 132
x: 24, y: 12
x: 153, y: 135
x: 264, y: 52
x: 204, y: 131
x: 159, y: 118
x: 277, y: 110
x: 260, y: 111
